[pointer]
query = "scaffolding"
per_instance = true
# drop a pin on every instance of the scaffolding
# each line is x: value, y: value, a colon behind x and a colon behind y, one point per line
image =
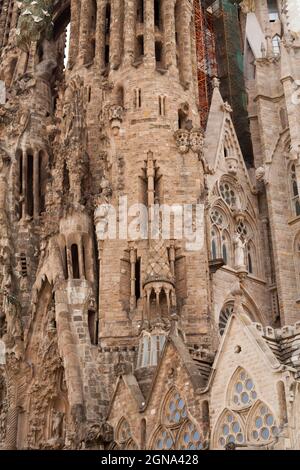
x: 219, y: 49
x: 206, y: 58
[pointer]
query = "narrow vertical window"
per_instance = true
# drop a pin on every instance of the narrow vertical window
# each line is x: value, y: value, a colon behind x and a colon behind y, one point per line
x: 138, y: 279
x: 30, y: 184
x: 75, y: 261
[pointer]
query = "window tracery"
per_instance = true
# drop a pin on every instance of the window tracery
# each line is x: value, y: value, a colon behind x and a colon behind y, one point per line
x: 124, y: 438
x: 294, y: 190
x: 176, y: 429
x: 247, y: 419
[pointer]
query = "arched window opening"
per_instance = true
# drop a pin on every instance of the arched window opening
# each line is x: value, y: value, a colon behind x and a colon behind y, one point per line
x: 139, y: 48
x: 92, y: 325
x: 138, y: 279
x: 294, y: 190
x: 158, y: 54
x: 230, y: 430
x: 65, y: 257
x: 140, y: 11
x: 276, y: 45
x: 29, y: 198
x: 66, y: 179
x: 262, y: 426
x: 107, y: 32
x: 75, y: 261
x: 42, y: 180
x: 273, y: 10
x: 157, y: 13
x: 205, y: 413
x: 23, y: 262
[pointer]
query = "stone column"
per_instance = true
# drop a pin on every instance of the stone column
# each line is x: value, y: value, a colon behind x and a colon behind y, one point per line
x: 169, y: 33
x: 24, y: 183
x: 129, y: 31
x: 100, y: 34
x: 36, y: 185
x: 132, y: 278
x: 149, y: 35
x: 115, y: 34
x: 185, y: 45
x: 74, y: 33
x: 81, y: 259
x: 84, y: 31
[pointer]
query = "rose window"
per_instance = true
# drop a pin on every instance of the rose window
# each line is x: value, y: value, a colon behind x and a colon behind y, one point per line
x: 175, y: 410
x: 228, y: 194
x: 190, y: 438
x: 263, y: 426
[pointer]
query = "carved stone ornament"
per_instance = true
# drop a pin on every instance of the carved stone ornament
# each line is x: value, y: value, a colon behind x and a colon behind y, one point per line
x: 182, y: 137
x: 197, y: 140
x: 115, y: 114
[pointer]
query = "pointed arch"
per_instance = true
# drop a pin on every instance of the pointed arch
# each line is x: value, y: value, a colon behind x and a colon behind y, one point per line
x: 261, y: 424
x: 229, y: 428
x: 161, y: 439
x: 123, y: 436
x: 241, y: 392
x: 189, y: 437
x: 174, y: 410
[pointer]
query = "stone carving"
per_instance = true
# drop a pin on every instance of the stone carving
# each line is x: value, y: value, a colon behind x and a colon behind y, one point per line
x: 115, y: 117
x: 247, y: 6
x: 197, y: 141
x: 35, y: 22
x: 98, y: 434
x: 239, y: 251
x: 182, y: 137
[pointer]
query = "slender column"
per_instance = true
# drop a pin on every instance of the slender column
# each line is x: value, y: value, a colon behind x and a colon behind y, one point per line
x: 69, y: 264
x: 169, y: 33
x: 132, y: 278
x: 172, y: 258
x: 129, y: 31
x: 36, y: 185
x: 84, y: 31
x: 81, y: 260
x: 74, y: 33
x: 100, y: 34
x: 149, y: 36
x: 186, y: 38
x: 115, y: 34
x: 24, y: 184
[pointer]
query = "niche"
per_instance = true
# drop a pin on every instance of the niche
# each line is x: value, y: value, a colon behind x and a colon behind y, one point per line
x: 75, y: 261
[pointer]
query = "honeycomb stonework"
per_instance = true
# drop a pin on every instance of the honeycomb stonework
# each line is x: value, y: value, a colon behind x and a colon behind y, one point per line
x: 124, y: 343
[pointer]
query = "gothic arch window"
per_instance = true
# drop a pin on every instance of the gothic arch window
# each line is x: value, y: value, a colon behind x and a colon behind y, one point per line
x: 229, y: 430
x: 220, y: 237
x: 225, y: 314
x: 242, y: 393
x: 124, y: 438
x: 244, y: 406
x: 176, y: 429
x: 174, y: 410
x: 276, y: 45
x: 294, y: 190
x: 261, y: 424
x: 189, y: 437
x: 246, y: 234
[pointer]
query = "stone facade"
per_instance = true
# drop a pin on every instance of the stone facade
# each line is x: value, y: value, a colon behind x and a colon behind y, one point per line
x: 124, y: 342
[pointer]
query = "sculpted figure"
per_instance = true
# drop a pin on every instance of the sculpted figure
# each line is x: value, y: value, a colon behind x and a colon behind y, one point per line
x: 239, y: 251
